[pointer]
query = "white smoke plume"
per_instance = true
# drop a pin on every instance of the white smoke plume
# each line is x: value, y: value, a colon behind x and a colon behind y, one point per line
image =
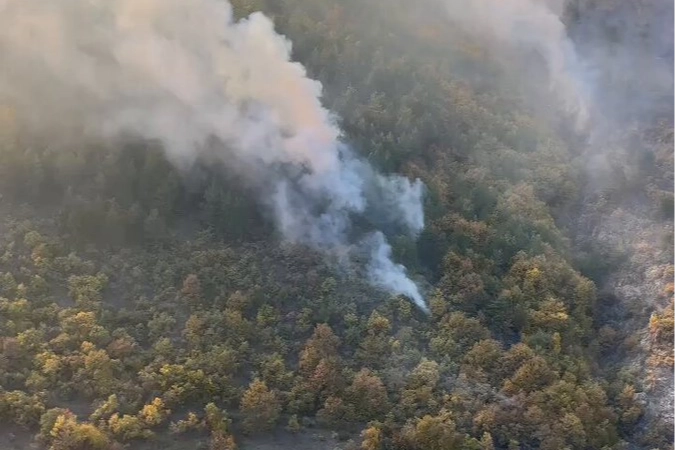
x: 530, y: 26
x: 187, y: 74
x: 388, y: 275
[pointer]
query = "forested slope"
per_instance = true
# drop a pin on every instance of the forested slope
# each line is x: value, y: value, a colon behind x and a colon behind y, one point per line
x: 147, y: 305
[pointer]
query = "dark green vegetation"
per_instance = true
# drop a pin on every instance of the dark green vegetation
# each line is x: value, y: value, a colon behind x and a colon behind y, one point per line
x: 138, y: 302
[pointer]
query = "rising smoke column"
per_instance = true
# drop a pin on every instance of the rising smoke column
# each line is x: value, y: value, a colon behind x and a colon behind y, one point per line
x: 187, y: 74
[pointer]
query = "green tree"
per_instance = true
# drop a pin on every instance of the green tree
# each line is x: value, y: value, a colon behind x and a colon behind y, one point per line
x: 367, y: 396
x: 260, y: 407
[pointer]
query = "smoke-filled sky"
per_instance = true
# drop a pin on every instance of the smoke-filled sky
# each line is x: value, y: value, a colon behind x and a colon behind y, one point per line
x: 187, y: 74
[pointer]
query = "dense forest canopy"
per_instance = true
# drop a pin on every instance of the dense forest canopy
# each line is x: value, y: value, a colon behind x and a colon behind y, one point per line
x: 356, y: 225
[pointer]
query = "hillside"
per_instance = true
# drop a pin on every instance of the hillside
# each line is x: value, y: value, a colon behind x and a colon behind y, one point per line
x: 403, y: 226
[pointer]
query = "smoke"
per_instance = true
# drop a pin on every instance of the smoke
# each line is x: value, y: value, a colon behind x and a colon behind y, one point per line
x: 389, y: 275
x: 609, y: 64
x: 605, y: 61
x: 630, y: 47
x: 535, y: 27
x: 608, y: 67
x: 188, y: 75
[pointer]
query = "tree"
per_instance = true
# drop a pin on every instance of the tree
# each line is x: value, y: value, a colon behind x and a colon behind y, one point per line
x: 191, y: 422
x: 68, y: 434
x: 222, y: 441
x: 22, y: 409
x: 192, y: 289
x: 273, y: 371
x: 98, y: 373
x: 419, y: 390
x: 334, y: 412
x: 486, y: 442
x: 87, y: 290
x: 128, y: 427
x: 367, y: 396
x: 482, y: 361
x: 194, y: 330
x: 551, y: 315
x: 47, y: 422
x: 154, y: 413
x: 631, y: 409
x: 293, y: 424
x: 320, y: 370
x: 456, y: 334
x: 216, y: 419
x: 376, y: 346
x: 106, y: 409
x: 83, y: 326
x: 434, y: 433
x: 323, y: 345
x: 372, y: 439
x: 532, y: 375
x: 154, y: 227
x: 260, y: 407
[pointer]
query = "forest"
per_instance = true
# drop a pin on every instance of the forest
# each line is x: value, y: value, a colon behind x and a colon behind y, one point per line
x: 147, y: 303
